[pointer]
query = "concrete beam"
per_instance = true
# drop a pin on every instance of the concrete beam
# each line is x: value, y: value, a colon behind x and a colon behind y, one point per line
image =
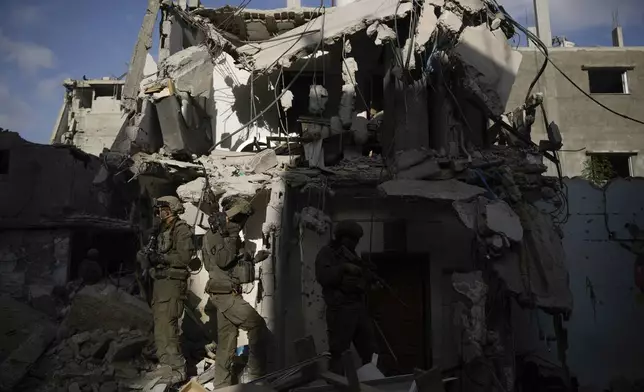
x: 618, y: 37
x: 137, y: 63
x: 542, y: 16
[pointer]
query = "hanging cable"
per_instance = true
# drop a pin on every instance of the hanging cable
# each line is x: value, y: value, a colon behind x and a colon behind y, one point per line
x: 544, y: 50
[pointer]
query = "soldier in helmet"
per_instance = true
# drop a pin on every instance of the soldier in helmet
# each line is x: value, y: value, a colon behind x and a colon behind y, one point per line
x: 168, y: 261
x: 229, y: 266
x: 345, y: 278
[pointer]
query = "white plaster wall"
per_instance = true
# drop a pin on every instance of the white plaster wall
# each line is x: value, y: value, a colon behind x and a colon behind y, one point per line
x: 227, y: 119
x: 605, y: 342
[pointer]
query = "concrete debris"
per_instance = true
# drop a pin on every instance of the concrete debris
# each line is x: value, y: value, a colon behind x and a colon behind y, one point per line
x: 359, y: 128
x: 408, y: 158
x: 286, y: 100
x: 106, y: 307
x: 382, y: 33
x: 493, y: 73
x: 541, y: 252
x: 191, y: 191
x: 426, y: 26
x: 425, y: 170
x: 126, y: 349
x: 347, y: 100
x: 450, y: 22
x: 501, y: 219
x: 471, y: 318
x: 25, y: 336
x: 467, y: 213
x: 471, y: 6
x: 262, y: 162
x: 433, y: 190
x: 352, y: 18
x: 191, y: 71
x: 178, y: 137
x: 313, y: 219
x: 83, y: 362
x: 318, y: 97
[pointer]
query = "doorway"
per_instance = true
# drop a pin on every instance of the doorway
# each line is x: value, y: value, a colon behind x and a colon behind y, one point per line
x: 403, y: 333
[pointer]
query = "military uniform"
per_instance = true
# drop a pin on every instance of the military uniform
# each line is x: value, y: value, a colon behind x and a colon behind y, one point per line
x: 221, y: 255
x: 344, y: 291
x: 172, y: 254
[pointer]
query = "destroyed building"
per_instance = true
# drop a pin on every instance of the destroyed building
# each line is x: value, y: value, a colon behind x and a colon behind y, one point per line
x: 387, y: 112
x: 377, y: 111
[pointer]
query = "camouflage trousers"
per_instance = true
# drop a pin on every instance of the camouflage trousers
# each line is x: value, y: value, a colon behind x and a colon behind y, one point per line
x: 167, y: 308
x: 233, y: 314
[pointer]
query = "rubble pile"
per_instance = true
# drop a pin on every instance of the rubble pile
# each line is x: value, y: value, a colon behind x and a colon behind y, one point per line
x: 103, y: 344
x: 99, y: 360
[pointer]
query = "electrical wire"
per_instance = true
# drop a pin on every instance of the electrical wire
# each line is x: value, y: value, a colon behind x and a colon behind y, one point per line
x: 269, y: 106
x: 544, y: 50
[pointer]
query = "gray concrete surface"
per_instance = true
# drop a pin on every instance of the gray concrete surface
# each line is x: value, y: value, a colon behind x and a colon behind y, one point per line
x: 584, y: 125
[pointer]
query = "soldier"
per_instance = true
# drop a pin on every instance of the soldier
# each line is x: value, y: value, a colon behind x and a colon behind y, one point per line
x: 169, y: 255
x: 228, y: 268
x: 344, y: 278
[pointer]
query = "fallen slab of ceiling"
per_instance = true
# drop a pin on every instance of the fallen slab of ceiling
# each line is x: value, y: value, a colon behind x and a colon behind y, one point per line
x: 283, y: 50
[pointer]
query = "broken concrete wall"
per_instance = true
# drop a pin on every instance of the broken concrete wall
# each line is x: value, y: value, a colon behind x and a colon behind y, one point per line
x: 45, y: 181
x: 33, y: 263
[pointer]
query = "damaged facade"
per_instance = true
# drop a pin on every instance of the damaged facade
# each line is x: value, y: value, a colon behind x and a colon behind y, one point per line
x: 390, y: 113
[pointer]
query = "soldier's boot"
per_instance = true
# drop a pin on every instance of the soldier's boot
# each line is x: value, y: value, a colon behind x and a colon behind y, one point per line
x: 168, y: 374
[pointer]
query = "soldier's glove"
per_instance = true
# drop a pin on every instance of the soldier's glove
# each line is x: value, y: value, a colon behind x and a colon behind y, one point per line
x: 155, y: 259
x: 261, y: 255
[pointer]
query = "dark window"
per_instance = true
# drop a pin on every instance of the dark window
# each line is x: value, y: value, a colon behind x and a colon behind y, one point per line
x: 620, y: 164
x: 107, y: 90
x: 608, y: 81
x: 84, y: 95
x: 4, y: 161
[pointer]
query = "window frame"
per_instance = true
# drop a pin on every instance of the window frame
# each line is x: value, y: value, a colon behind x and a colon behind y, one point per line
x: 623, y: 69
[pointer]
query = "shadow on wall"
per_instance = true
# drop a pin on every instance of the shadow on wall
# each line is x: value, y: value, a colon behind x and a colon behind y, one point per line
x: 601, y: 255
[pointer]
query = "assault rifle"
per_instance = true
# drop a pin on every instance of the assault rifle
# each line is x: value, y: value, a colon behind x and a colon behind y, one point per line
x: 355, y: 259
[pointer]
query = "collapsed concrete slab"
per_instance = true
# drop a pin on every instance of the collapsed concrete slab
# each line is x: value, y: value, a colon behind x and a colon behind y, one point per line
x: 178, y: 138
x: 542, y: 253
x: 432, y: 190
x: 290, y: 46
x: 191, y: 71
x: 108, y: 308
x: 424, y: 170
x: 490, y: 63
x: 501, y: 219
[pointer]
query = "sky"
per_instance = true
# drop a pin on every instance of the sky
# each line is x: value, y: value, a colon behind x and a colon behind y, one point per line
x: 42, y: 42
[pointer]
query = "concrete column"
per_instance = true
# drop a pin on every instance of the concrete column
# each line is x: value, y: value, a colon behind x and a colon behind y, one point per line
x: 293, y: 4
x: 542, y: 16
x: 533, y: 30
x: 618, y: 37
